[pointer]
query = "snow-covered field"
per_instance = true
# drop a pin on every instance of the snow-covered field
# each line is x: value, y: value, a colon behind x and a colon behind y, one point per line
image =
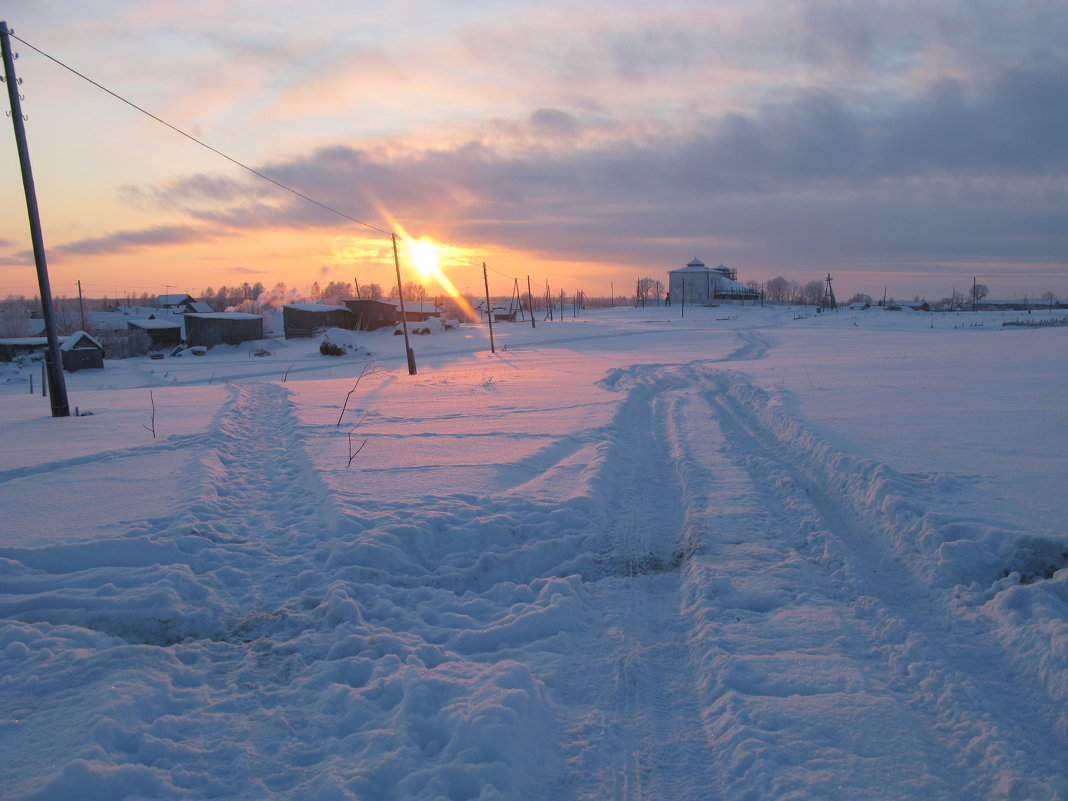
x: 741, y: 554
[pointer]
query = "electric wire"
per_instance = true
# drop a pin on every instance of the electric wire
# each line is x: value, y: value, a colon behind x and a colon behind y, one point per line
x: 200, y: 142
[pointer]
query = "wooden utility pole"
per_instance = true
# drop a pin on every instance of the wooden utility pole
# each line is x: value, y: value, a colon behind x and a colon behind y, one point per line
x: 57, y: 385
x: 530, y: 300
x: 81, y: 305
x: 404, y: 317
x: 489, y: 309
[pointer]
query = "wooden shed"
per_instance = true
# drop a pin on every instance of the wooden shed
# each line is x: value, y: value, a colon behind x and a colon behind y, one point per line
x: 79, y: 351
x: 309, y: 319
x: 371, y: 314
x: 161, y: 333
x: 13, y: 347
x: 222, y: 328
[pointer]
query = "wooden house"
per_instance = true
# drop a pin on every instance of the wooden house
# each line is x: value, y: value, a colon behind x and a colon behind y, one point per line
x: 309, y: 319
x: 222, y: 328
x: 369, y: 315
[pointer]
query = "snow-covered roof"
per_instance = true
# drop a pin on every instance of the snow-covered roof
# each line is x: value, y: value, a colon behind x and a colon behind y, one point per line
x: 173, y: 300
x: 698, y: 266
x: 147, y: 323
x: 226, y: 316
x: 199, y: 306
x: 315, y: 307
x: 78, y: 340
x: 728, y: 286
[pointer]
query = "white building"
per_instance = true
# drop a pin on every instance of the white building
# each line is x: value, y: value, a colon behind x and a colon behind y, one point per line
x: 707, y: 286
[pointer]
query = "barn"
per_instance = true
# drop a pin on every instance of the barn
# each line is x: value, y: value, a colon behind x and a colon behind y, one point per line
x: 161, y: 333
x: 79, y: 351
x: 222, y: 328
x: 699, y: 285
x: 13, y: 347
x: 309, y: 319
x: 371, y: 314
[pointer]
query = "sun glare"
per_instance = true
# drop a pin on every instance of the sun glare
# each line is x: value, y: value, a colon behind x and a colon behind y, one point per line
x: 425, y: 256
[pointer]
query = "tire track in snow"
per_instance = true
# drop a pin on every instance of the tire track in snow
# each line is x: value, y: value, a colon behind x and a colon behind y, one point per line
x: 650, y: 742
x: 975, y: 706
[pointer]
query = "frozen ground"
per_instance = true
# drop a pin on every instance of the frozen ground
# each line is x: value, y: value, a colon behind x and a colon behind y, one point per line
x: 741, y: 554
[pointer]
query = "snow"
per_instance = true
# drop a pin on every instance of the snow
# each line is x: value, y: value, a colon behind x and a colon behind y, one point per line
x: 748, y: 553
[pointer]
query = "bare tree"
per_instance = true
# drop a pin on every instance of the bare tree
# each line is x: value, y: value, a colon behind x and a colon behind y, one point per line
x: 811, y: 293
x: 778, y: 289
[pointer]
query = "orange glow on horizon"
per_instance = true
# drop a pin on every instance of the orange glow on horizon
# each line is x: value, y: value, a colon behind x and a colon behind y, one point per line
x: 429, y: 258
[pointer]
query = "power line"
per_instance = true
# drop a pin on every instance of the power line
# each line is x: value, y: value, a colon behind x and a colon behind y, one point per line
x: 200, y: 142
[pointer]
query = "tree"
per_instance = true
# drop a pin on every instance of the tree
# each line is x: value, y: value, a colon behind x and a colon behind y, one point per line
x: 860, y: 297
x: 371, y: 291
x: 979, y: 291
x: 812, y: 293
x: 335, y: 292
x: 650, y: 289
x: 778, y: 289
x: 413, y: 292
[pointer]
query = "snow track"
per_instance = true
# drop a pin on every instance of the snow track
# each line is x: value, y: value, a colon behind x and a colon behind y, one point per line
x: 771, y: 638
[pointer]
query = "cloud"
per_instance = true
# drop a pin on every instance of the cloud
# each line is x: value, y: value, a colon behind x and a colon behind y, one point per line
x: 123, y: 241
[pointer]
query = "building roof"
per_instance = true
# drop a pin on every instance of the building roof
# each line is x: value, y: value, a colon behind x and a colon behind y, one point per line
x: 157, y: 324
x: 226, y: 316
x: 316, y: 307
x: 77, y: 340
x: 173, y: 300
x: 199, y: 306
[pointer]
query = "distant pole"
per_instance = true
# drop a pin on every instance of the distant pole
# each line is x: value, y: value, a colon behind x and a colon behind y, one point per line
x: 81, y: 305
x: 612, y: 286
x: 489, y: 309
x: 404, y: 317
x: 57, y: 385
x: 530, y: 300
x: 357, y: 282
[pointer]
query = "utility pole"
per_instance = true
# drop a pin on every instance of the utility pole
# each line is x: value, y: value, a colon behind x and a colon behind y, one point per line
x: 404, y: 317
x: 57, y: 386
x: 81, y: 305
x: 489, y: 309
x: 530, y: 300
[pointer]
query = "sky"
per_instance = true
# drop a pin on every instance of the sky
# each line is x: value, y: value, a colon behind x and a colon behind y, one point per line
x: 902, y: 146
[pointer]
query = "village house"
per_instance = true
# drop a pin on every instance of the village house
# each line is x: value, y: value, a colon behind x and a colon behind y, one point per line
x: 222, y: 328
x: 309, y: 319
